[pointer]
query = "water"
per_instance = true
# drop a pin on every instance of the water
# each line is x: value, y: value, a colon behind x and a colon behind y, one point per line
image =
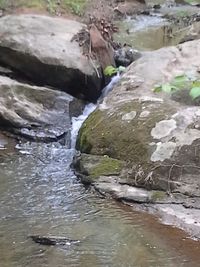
x: 151, y: 32
x: 39, y: 194
x: 77, y: 122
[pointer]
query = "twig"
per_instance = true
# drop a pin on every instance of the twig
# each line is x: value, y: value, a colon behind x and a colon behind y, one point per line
x: 98, y: 74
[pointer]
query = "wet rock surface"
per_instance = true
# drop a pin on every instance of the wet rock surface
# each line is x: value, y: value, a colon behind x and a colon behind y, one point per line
x: 41, y: 48
x: 53, y: 240
x: 37, y: 113
x: 90, y: 167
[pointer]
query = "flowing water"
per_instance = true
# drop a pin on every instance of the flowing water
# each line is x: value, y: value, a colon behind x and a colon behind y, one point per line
x: 150, y: 32
x: 39, y: 194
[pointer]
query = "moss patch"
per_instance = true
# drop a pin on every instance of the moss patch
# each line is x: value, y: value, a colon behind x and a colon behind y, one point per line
x: 105, y: 133
x: 107, y: 166
x: 158, y: 196
x: 91, y: 167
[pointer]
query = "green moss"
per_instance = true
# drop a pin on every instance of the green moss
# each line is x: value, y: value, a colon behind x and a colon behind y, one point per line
x: 105, y: 133
x: 158, y: 195
x: 107, y: 166
x: 83, y: 142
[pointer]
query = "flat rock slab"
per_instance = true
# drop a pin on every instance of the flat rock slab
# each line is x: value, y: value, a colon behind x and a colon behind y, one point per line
x: 124, y: 192
x: 40, y: 48
x: 35, y: 112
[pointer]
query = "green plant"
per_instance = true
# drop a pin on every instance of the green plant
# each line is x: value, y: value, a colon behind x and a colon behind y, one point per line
x: 51, y: 6
x: 76, y: 6
x: 181, y: 82
x: 110, y: 70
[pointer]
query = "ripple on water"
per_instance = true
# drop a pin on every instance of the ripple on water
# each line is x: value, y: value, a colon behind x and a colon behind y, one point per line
x: 39, y: 194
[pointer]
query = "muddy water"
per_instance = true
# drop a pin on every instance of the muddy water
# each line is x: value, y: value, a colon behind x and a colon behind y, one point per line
x: 39, y: 194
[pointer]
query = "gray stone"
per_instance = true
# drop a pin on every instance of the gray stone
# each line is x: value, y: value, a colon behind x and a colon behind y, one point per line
x: 35, y: 112
x: 124, y: 192
x: 162, y: 149
x: 41, y: 48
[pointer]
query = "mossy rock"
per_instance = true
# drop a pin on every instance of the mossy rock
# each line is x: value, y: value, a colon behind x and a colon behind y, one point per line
x: 158, y: 196
x: 91, y: 167
x: 109, y: 134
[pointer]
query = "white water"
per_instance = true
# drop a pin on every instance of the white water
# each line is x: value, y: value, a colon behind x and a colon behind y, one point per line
x: 89, y: 108
x: 141, y: 23
x: 78, y: 121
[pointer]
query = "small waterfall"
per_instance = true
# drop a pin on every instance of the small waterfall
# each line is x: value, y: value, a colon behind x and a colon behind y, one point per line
x: 78, y: 121
x: 89, y: 108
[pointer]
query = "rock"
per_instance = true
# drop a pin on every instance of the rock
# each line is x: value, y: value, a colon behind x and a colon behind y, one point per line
x: 130, y: 193
x: 35, y: 112
x: 90, y: 167
x: 129, y: 7
x: 193, y: 33
x: 53, y: 240
x: 125, y: 56
x: 158, y: 137
x: 40, y: 48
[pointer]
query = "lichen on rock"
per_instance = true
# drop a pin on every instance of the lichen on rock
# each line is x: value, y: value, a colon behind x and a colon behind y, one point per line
x: 157, y: 137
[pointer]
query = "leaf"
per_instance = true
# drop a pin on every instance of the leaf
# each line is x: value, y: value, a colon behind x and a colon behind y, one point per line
x: 196, y: 84
x: 195, y: 92
x: 121, y: 69
x: 180, y: 80
x: 157, y: 89
x: 110, y: 70
x: 167, y: 88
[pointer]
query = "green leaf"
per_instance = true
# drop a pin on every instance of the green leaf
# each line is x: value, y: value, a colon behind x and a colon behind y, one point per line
x: 180, y: 80
x: 110, y: 70
x: 167, y: 88
x: 157, y: 89
x: 195, y: 92
x: 196, y: 84
x: 121, y: 69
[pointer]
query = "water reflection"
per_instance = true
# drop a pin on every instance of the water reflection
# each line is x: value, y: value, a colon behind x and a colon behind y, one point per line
x: 39, y: 194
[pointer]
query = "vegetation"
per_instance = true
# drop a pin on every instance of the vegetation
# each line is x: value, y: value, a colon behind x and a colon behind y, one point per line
x: 110, y: 70
x: 193, y: 2
x: 181, y: 82
x: 107, y: 166
x: 75, y: 6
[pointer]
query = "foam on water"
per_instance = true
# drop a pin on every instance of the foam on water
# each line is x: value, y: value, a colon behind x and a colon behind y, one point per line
x: 89, y: 108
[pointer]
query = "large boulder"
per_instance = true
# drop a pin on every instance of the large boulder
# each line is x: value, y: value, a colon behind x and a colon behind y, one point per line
x: 158, y: 135
x: 41, y: 49
x: 35, y: 112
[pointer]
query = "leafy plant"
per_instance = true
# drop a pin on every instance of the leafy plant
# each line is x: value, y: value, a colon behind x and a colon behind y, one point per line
x: 178, y: 83
x: 110, y: 70
x: 195, y: 92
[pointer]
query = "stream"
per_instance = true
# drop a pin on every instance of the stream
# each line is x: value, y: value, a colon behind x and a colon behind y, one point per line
x: 40, y: 195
